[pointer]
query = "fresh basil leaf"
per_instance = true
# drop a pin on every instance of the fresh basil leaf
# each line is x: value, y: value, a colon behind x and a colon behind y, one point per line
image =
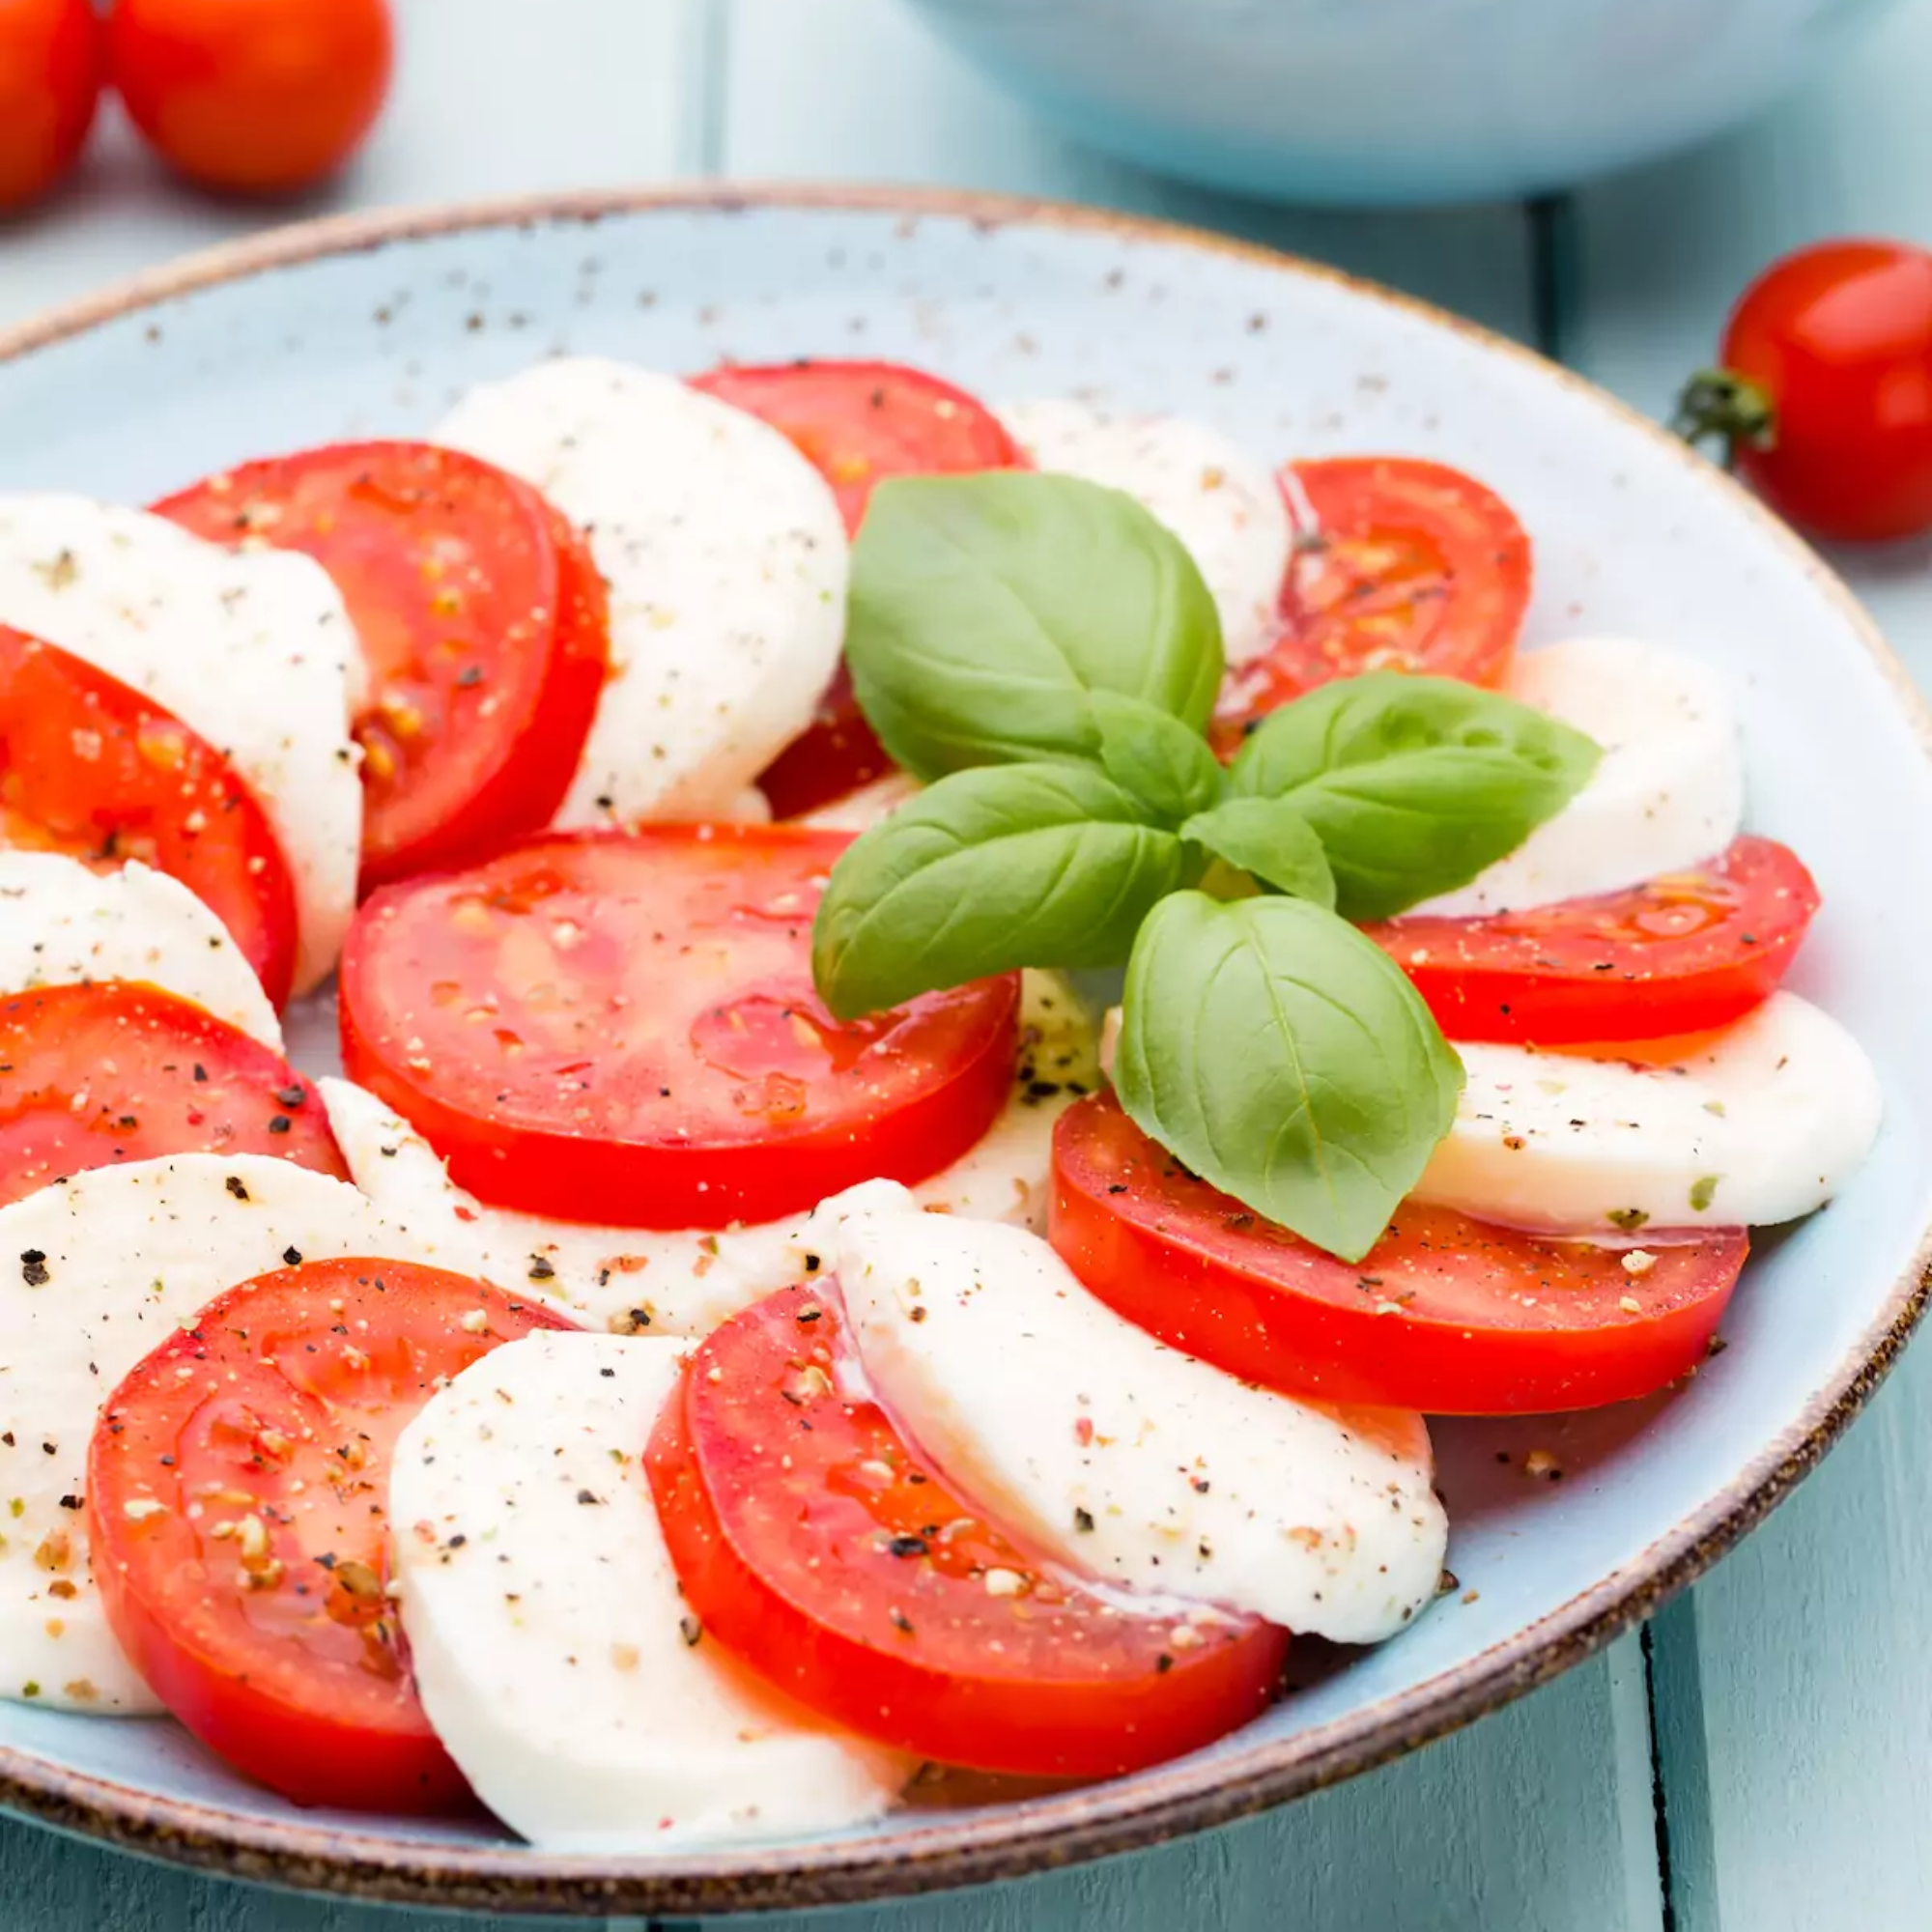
x: 984, y: 609
x: 1163, y: 763
x: 1049, y: 864
x: 1414, y: 784
x: 1287, y: 1059
x: 1271, y: 839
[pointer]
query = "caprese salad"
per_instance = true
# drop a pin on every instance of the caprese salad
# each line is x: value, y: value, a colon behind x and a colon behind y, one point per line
x: 746, y: 1323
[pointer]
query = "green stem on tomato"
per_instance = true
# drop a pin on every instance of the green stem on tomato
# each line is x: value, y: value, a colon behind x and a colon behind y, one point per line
x: 1723, y: 404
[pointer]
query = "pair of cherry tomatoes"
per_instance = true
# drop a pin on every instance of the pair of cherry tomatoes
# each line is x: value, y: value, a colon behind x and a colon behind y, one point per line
x: 252, y: 97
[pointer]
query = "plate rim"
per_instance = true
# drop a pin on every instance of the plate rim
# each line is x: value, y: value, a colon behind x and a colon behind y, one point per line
x: 1153, y: 1806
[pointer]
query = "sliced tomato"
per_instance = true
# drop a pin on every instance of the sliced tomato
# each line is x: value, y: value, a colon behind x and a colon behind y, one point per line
x: 238, y: 1511
x: 1444, y: 1313
x: 624, y: 1029
x: 1677, y: 954
x: 482, y: 621
x: 1397, y: 564
x: 91, y: 1076
x: 858, y: 423
x: 815, y: 1542
x: 91, y: 767
x: 834, y: 754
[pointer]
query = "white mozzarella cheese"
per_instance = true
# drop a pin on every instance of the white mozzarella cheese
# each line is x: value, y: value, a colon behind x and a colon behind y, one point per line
x: 95, y: 1272
x: 1142, y: 1466
x: 870, y: 805
x: 687, y: 1281
x: 253, y: 650
x: 553, y: 1651
x: 726, y: 560
x: 1226, y: 507
x: 1668, y: 793
x: 63, y: 924
x: 1760, y: 1122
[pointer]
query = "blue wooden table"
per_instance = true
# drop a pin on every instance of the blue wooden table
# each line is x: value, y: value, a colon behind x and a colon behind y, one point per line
x: 1757, y: 1759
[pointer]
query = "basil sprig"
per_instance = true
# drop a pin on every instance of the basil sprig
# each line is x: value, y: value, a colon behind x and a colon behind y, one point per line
x: 1046, y: 653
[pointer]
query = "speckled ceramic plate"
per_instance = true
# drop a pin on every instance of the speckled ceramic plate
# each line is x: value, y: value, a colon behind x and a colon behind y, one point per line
x: 373, y: 326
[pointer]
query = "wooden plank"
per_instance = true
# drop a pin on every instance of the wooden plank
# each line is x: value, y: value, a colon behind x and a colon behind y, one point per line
x: 885, y: 101
x: 1792, y: 1691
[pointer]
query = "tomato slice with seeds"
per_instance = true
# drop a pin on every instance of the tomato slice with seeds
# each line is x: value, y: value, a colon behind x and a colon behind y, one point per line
x: 482, y: 622
x: 95, y: 1075
x: 623, y: 1028
x: 833, y: 756
x: 1444, y: 1313
x: 1677, y: 955
x: 858, y: 423
x: 93, y: 768
x: 237, y: 1497
x: 1406, y: 565
x: 814, y: 1542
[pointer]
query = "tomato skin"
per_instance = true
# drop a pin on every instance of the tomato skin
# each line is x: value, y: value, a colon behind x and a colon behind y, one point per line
x: 1408, y: 565
x: 540, y: 1021
x: 288, y: 1666
x: 804, y: 1569
x: 91, y: 767
x: 1839, y: 338
x: 252, y: 97
x: 1676, y: 956
x: 858, y: 423
x: 482, y: 618
x: 1433, y: 1318
x: 181, y: 1082
x: 51, y: 63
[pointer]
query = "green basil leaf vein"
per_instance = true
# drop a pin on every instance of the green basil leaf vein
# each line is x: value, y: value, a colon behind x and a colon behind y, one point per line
x: 1269, y: 838
x: 1049, y: 864
x: 984, y: 610
x: 1414, y: 784
x: 1285, y: 1059
x: 1161, y: 761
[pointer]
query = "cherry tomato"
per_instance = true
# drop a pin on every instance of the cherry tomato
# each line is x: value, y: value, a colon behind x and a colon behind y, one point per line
x: 1397, y: 564
x: 93, y: 768
x: 814, y: 1542
x: 1679, y: 954
x: 51, y: 63
x: 252, y: 97
x: 482, y: 621
x: 1824, y: 396
x: 616, y: 1027
x: 862, y: 422
x: 94, y: 1075
x: 238, y: 1511
x: 1444, y: 1313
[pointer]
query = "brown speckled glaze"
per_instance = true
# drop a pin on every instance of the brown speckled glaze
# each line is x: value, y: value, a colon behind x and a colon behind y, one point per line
x: 1001, y: 1841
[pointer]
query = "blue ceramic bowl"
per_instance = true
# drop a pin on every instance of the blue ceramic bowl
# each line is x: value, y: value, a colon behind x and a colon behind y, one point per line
x: 1395, y: 100
x: 373, y: 324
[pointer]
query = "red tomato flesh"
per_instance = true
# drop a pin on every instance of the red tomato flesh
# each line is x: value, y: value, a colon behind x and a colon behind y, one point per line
x: 91, y: 767
x: 1407, y: 566
x: 92, y: 1076
x: 833, y: 756
x: 253, y: 1599
x: 858, y: 423
x: 1447, y: 1315
x: 481, y: 618
x: 1677, y: 954
x: 623, y: 1028
x: 817, y: 1545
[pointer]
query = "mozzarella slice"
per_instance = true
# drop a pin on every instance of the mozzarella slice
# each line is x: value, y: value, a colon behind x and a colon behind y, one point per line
x: 555, y: 1655
x: 1667, y: 793
x: 1222, y: 504
x: 870, y: 805
x: 687, y: 1281
x: 1758, y: 1123
x: 94, y: 1272
x: 725, y: 559
x: 1079, y: 1433
x: 251, y: 649
x: 61, y: 925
